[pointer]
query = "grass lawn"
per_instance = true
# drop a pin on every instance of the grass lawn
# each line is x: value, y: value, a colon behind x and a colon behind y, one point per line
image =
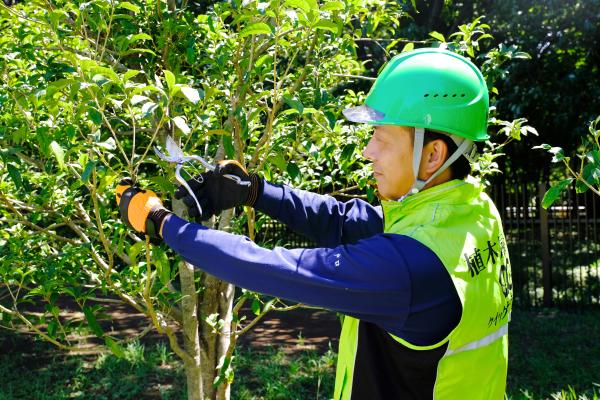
x: 553, y: 355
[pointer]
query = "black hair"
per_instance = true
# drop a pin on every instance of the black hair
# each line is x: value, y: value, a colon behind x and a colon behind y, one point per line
x: 460, y: 168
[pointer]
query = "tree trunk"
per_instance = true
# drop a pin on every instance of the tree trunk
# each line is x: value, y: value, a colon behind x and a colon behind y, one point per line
x: 191, y: 338
x: 226, y: 310
x: 195, y: 384
x: 217, y: 298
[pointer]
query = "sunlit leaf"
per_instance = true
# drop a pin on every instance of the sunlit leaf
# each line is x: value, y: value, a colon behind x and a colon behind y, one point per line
x: 170, y: 78
x: 128, y: 6
x: 182, y: 125
x: 437, y: 36
x: 136, y: 98
x: 139, y: 37
x: 327, y: 25
x: 191, y: 94
x: 59, y: 153
x: 333, y: 6
x: 554, y: 192
x: 258, y: 28
x: 298, y: 4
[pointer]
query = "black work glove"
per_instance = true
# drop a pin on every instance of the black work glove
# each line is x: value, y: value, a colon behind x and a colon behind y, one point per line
x: 216, y: 192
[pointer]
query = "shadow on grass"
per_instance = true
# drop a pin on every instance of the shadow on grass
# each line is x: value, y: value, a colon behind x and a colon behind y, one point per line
x: 553, y: 351
x: 40, y: 371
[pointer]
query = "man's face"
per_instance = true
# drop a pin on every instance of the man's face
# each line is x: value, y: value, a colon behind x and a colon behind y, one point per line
x: 391, y: 151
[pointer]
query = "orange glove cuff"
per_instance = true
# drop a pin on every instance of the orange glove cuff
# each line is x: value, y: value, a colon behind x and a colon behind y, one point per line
x: 135, y: 205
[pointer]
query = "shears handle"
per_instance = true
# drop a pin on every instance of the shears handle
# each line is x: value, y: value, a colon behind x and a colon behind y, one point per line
x: 237, y: 180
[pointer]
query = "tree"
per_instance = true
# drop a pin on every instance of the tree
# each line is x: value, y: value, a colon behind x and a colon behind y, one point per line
x: 88, y: 88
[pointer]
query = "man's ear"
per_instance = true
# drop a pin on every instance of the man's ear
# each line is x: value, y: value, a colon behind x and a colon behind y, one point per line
x: 435, y: 154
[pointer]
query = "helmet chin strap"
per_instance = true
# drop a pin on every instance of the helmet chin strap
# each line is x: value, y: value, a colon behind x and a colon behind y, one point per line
x: 466, y: 147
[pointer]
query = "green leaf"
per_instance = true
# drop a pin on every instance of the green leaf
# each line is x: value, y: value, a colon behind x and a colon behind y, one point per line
x: 106, y: 72
x: 333, y: 6
x: 543, y: 147
x: 128, y: 6
x: 191, y: 94
x: 92, y: 322
x: 554, y: 192
x: 59, y: 153
x: 57, y: 86
x: 559, y: 154
x: 15, y: 175
x: 52, y: 325
x: 182, y: 125
x: 94, y: 115
x: 293, y: 170
x: 130, y: 74
x: 148, y: 108
x: 279, y: 161
x: 408, y: 47
x: 170, y: 78
x: 116, y: 349
x: 138, y: 37
x: 256, y: 306
x: 591, y: 174
x: 258, y: 28
x: 137, y: 50
x: 89, y: 167
x: 293, y: 103
x: 438, y: 36
x: 298, y: 4
x: 228, y: 145
x: 163, y: 267
x: 313, y: 4
x: 136, y: 98
x: 327, y: 25
x: 593, y: 157
x: 134, y: 250
x: 108, y: 144
x: 348, y: 152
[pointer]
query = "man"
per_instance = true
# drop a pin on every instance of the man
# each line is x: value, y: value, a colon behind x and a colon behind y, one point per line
x: 423, y: 280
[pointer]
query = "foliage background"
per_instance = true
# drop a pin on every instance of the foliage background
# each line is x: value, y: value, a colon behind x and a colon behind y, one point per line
x: 87, y: 88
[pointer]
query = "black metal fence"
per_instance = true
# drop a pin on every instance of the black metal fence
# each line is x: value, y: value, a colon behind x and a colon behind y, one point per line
x: 555, y: 253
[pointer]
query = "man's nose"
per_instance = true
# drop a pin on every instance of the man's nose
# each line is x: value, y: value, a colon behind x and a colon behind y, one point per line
x: 368, y: 152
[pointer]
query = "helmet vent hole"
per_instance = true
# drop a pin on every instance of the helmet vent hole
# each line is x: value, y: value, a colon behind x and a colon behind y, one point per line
x: 436, y: 95
x: 463, y: 95
x: 426, y: 95
x: 446, y: 95
x: 454, y: 95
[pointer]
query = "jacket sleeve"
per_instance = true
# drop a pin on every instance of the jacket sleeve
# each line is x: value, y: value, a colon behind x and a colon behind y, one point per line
x: 367, y: 280
x: 321, y: 218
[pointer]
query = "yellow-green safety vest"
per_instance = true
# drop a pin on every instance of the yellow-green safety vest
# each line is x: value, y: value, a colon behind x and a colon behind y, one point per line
x: 461, y: 225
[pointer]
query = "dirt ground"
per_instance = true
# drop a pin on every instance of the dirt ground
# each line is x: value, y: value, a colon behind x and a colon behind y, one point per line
x: 292, y: 331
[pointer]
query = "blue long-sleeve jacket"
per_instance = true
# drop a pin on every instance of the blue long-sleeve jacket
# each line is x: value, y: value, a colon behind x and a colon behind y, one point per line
x: 387, y: 279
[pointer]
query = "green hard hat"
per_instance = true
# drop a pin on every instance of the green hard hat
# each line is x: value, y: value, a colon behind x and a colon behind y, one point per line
x: 428, y: 88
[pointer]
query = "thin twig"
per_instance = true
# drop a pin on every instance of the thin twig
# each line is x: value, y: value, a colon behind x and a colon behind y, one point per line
x: 367, y: 78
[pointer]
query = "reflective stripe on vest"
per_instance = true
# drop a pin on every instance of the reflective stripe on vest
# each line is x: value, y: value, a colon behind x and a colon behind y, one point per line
x: 492, y: 337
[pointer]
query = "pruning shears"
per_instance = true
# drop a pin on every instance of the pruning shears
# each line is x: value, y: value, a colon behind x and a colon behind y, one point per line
x: 177, y: 156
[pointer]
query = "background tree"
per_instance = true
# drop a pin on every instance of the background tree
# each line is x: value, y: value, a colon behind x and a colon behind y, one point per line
x: 557, y: 89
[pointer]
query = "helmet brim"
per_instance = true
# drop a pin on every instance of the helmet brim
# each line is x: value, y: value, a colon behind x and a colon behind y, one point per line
x: 363, y: 115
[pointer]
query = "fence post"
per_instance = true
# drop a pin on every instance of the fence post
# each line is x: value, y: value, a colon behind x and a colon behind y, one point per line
x: 545, y: 239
